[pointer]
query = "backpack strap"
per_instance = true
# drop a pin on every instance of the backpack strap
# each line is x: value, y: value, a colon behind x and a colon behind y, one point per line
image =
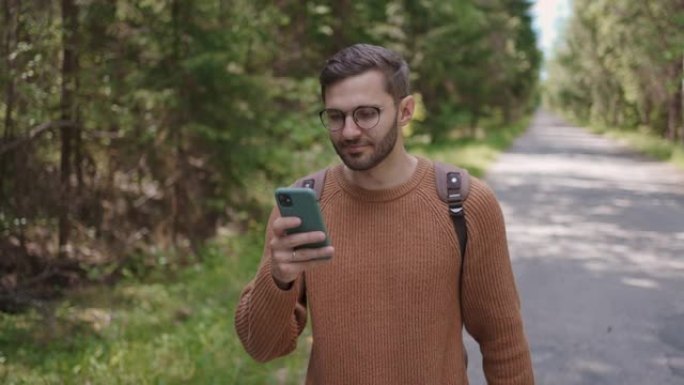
x: 453, y: 186
x: 315, y: 181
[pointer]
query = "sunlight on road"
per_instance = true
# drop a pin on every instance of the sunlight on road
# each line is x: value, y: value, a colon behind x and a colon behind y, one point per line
x: 596, y: 235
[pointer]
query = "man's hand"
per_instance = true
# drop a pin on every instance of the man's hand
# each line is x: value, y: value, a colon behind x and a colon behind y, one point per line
x: 286, y: 263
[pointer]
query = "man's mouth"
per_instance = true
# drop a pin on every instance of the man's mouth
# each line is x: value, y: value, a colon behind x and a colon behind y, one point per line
x: 355, y: 148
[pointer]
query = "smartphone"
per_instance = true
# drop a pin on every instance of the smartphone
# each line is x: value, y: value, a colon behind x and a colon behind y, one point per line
x: 301, y: 202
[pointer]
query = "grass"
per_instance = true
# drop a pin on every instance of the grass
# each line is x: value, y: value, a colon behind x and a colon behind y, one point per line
x: 475, y: 155
x: 175, y: 330
x: 175, y: 327
x: 647, y: 143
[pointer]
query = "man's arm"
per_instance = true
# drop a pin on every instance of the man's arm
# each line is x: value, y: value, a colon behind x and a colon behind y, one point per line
x: 491, y: 305
x: 268, y: 320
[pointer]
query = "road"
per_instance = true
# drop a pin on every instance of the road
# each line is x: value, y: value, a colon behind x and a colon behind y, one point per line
x: 596, y: 234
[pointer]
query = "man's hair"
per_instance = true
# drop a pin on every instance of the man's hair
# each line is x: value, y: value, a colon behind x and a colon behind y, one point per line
x: 359, y: 58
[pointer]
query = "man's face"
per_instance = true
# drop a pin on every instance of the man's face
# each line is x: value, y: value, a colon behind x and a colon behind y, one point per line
x: 362, y: 149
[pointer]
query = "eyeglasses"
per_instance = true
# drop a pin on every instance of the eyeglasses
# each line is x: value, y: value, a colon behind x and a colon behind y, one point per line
x: 366, y: 117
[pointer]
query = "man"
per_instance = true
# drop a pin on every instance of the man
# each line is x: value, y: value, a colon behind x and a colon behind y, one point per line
x: 387, y: 308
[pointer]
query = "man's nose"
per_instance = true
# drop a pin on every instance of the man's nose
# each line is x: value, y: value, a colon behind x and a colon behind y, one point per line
x: 350, y: 129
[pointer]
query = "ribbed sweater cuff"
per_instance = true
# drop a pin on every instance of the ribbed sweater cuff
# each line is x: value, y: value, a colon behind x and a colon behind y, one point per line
x: 270, y: 300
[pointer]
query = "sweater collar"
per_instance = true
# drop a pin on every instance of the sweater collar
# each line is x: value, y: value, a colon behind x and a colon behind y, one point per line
x: 386, y: 194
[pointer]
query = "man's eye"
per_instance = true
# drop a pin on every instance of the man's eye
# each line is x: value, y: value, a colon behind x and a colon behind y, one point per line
x: 335, y: 116
x: 365, y: 113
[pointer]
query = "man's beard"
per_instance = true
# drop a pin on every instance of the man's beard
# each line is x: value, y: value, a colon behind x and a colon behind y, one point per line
x: 380, y: 150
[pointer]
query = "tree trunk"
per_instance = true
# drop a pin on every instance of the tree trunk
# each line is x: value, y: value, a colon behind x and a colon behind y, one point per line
x: 11, y: 14
x: 676, y: 116
x: 674, y: 112
x: 647, y: 111
x: 508, y: 107
x: 474, y: 120
x: 67, y: 107
x: 681, y: 102
x: 78, y: 132
x: 11, y: 26
x: 177, y: 123
x: 342, y: 9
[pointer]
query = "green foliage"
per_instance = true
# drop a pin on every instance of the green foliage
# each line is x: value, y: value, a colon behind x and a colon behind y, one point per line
x: 175, y: 326
x: 492, y: 63
x: 647, y: 142
x: 475, y: 155
x: 178, y: 330
x: 189, y: 113
x: 621, y: 64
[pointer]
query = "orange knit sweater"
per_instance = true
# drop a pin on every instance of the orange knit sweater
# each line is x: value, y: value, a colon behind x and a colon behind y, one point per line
x: 386, y: 310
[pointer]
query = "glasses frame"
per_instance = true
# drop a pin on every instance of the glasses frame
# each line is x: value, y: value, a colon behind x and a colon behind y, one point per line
x: 353, y: 115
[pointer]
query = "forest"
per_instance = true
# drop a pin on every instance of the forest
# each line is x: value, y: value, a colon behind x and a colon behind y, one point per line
x: 621, y: 64
x: 141, y: 141
x: 133, y: 131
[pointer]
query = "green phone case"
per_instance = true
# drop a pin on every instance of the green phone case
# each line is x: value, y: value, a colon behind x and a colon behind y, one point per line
x: 302, y: 203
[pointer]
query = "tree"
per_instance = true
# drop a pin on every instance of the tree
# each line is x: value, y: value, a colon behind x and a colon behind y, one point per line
x: 135, y: 127
x: 621, y: 65
x: 68, y: 108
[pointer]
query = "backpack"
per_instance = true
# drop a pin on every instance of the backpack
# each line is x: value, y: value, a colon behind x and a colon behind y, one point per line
x: 453, y: 186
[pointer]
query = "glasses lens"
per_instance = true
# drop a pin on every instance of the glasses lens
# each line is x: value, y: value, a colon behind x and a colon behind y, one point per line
x: 367, y: 117
x: 333, y: 120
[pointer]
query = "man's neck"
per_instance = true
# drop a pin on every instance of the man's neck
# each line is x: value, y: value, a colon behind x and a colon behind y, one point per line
x: 395, y: 170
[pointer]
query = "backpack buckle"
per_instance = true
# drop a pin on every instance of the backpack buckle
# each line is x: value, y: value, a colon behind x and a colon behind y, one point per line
x: 454, y: 196
x: 309, y: 183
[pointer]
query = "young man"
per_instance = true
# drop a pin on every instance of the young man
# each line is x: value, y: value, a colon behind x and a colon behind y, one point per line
x: 387, y: 308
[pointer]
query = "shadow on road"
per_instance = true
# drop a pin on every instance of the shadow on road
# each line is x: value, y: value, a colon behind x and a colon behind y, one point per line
x: 596, y: 235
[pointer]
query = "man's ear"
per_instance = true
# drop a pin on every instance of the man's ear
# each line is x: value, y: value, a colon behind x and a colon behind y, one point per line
x: 407, y: 106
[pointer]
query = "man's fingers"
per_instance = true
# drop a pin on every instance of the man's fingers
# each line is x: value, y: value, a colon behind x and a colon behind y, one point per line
x: 311, y: 263
x: 287, y: 265
x: 281, y: 224
x: 286, y: 256
x: 306, y: 255
x: 295, y: 240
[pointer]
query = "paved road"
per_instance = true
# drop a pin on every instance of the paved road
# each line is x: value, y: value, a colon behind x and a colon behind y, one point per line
x: 596, y: 235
